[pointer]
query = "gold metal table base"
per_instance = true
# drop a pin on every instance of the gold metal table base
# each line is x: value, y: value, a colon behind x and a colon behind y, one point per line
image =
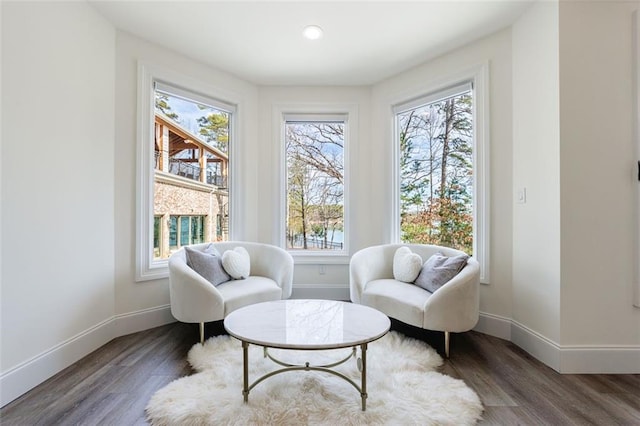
x: 362, y: 366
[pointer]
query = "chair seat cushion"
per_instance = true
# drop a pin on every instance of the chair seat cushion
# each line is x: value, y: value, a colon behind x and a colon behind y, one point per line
x: 397, y: 299
x: 253, y: 289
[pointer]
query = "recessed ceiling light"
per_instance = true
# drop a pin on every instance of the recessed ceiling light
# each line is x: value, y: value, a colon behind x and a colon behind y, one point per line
x: 312, y: 32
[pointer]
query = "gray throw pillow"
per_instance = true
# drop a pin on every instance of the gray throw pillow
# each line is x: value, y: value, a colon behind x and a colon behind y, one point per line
x: 211, y: 249
x: 439, y: 269
x: 207, y: 263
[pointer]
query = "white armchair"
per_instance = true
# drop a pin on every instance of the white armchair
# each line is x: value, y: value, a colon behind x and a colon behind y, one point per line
x: 196, y: 300
x: 454, y: 307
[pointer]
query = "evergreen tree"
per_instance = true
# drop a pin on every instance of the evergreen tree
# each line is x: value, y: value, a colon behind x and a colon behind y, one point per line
x: 162, y: 105
x: 215, y: 129
x: 437, y: 173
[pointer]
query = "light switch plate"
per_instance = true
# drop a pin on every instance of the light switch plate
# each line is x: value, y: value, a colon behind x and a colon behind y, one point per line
x: 521, y: 196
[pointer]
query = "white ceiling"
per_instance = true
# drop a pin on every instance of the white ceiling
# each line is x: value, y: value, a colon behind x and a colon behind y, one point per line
x: 364, y: 41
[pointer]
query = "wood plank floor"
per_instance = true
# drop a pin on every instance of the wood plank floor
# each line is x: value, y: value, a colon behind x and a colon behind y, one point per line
x: 112, y: 385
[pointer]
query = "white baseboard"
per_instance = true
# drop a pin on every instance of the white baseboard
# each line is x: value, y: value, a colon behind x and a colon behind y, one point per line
x: 565, y: 359
x: 494, y: 325
x: 321, y: 291
x: 537, y: 345
x: 30, y: 373
x: 143, y: 320
x: 600, y: 360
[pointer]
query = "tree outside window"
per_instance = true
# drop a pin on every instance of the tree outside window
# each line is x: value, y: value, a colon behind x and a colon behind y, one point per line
x: 315, y: 185
x: 436, y: 173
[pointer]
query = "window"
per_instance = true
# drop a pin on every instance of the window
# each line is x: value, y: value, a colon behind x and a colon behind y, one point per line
x: 315, y: 183
x: 441, y: 175
x: 190, y: 170
x: 186, y: 230
x: 185, y: 141
x: 436, y: 172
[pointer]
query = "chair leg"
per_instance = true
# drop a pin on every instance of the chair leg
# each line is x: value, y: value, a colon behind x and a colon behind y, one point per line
x: 201, y: 333
x: 446, y: 343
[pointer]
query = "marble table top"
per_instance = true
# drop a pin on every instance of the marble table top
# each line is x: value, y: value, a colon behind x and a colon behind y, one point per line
x: 307, y: 324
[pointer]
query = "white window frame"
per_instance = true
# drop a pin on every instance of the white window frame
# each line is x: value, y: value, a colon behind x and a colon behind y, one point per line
x: 147, y: 268
x: 478, y: 78
x: 636, y: 167
x: 313, y: 112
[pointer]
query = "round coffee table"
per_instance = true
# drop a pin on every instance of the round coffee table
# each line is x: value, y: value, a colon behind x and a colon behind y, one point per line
x: 302, y: 324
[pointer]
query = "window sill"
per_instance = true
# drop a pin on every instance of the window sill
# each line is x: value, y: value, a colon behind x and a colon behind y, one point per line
x: 340, y: 258
x: 158, y: 270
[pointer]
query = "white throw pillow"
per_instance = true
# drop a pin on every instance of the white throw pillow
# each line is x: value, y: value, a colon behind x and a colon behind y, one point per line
x: 237, y: 263
x: 406, y: 265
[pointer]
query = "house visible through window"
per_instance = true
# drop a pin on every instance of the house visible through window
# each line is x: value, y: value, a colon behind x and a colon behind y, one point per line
x: 191, y: 170
x: 436, y: 170
x: 315, y: 183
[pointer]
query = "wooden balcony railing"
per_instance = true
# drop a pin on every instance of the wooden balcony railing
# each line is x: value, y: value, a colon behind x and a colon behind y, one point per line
x: 191, y: 171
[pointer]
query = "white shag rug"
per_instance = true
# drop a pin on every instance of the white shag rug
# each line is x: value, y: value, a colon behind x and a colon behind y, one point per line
x: 402, y: 385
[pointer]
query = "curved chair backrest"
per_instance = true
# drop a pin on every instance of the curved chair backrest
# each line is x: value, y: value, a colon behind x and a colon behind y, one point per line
x: 454, y: 307
x: 191, y: 295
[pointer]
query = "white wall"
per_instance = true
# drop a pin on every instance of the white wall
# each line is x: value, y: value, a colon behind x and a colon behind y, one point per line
x: 536, y: 150
x: 144, y: 304
x: 57, y: 188
x: 573, y: 241
x: 495, y: 50
x: 598, y: 175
